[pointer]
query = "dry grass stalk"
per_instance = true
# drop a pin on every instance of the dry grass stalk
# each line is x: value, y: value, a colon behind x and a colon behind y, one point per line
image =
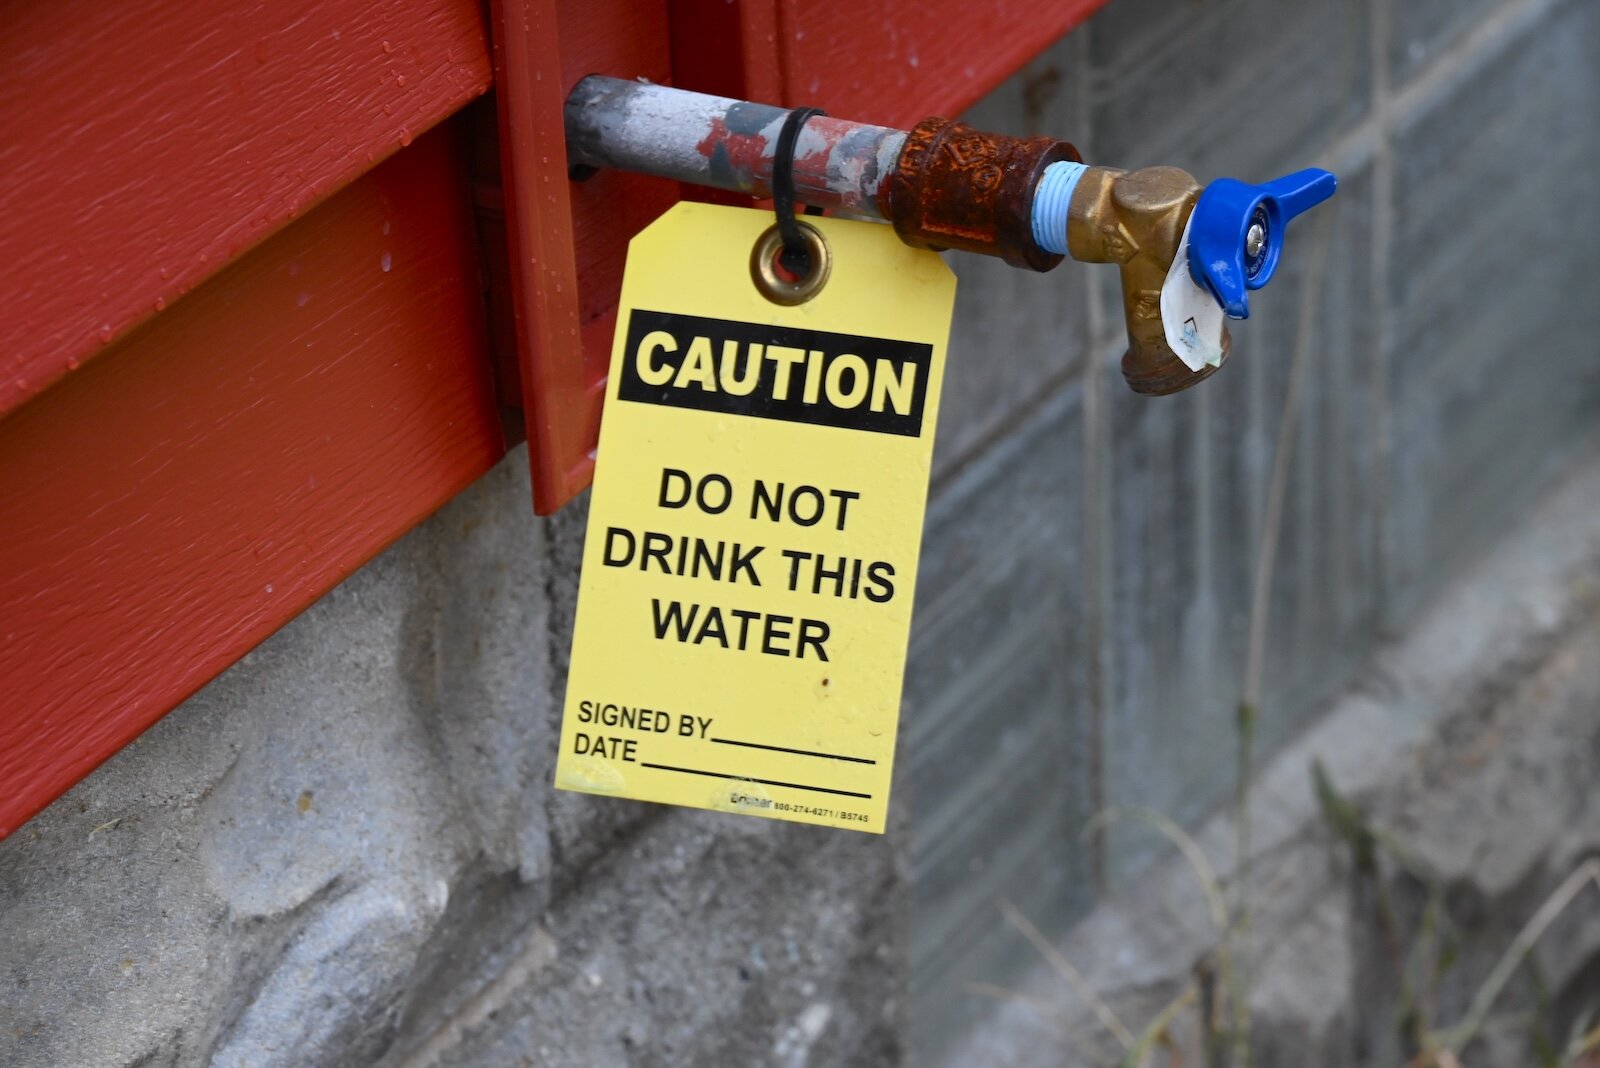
x: 1063, y: 967
x: 1040, y: 1005
x: 1584, y: 876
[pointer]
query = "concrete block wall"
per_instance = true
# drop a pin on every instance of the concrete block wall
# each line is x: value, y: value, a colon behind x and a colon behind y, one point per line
x: 1472, y: 746
x: 346, y: 850
x: 1443, y: 361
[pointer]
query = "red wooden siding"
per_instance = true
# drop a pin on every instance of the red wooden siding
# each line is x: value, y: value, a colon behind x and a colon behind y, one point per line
x: 895, y: 62
x: 168, y: 506
x: 147, y: 144
x: 244, y: 342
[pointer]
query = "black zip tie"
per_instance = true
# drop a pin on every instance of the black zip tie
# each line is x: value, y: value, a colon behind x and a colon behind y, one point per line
x: 794, y: 258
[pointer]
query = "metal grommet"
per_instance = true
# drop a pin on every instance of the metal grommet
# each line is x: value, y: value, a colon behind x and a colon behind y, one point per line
x: 777, y: 284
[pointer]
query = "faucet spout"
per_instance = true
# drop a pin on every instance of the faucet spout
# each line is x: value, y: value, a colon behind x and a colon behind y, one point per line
x: 1135, y: 219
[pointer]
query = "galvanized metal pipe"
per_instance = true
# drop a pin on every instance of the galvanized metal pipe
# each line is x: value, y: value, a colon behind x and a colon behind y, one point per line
x: 728, y: 144
x: 942, y: 185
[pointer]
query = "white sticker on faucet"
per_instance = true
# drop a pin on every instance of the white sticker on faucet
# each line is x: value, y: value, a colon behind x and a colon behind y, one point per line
x: 1191, y: 317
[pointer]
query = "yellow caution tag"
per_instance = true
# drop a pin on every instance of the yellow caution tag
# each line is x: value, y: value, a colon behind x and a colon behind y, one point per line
x: 755, y: 524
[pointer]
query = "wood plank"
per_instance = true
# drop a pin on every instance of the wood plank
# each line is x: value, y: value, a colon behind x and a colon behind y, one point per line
x: 896, y: 62
x: 149, y: 143
x: 566, y: 241
x: 169, y: 505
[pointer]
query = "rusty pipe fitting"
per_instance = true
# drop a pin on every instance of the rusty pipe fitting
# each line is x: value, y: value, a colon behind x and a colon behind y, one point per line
x: 1135, y: 220
x: 957, y: 187
x: 943, y: 184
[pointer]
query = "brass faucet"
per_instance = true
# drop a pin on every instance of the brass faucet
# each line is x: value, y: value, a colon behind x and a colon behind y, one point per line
x: 1029, y: 200
x: 1135, y: 219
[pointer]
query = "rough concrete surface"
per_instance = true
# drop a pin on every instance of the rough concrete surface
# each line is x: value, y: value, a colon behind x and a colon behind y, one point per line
x: 331, y: 851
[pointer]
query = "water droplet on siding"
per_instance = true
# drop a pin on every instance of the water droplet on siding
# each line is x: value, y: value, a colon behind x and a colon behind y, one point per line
x: 387, y: 262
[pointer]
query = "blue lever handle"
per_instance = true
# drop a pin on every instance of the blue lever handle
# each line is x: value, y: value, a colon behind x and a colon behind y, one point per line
x: 1236, y: 232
